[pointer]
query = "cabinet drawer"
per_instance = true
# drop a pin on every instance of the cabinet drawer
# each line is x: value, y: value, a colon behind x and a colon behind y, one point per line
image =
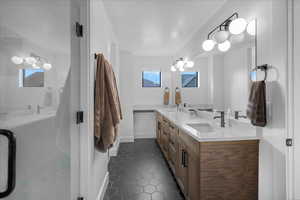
x: 190, y: 142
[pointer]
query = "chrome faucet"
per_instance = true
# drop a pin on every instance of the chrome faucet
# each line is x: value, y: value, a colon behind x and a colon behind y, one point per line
x: 38, y: 109
x: 238, y: 116
x: 222, y: 117
x: 193, y: 111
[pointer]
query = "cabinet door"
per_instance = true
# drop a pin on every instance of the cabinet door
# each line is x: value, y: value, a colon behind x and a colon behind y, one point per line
x: 182, y: 172
x: 158, y: 132
x: 165, y: 142
x: 193, y: 176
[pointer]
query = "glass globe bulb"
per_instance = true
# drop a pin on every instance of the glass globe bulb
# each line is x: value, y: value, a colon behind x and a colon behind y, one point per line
x: 208, y: 45
x: 47, y: 66
x: 221, y: 36
x: 251, y: 28
x: 173, y: 68
x: 30, y: 60
x: 180, y: 64
x: 225, y: 46
x: 35, y: 66
x: 17, y: 60
x: 181, y: 69
x: 237, y: 26
x: 190, y: 64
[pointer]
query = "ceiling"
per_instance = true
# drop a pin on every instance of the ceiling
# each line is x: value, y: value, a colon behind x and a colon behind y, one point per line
x: 158, y: 27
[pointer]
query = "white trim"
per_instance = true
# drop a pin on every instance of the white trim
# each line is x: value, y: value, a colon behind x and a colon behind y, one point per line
x: 126, y: 139
x: 114, y: 151
x: 103, y: 187
x: 85, y: 98
x: 290, y: 193
x: 144, y: 136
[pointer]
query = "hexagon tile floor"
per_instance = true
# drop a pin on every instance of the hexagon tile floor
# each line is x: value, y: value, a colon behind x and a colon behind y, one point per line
x: 139, y: 172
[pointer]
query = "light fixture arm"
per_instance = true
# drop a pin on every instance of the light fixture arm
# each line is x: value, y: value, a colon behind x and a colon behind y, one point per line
x: 224, y: 24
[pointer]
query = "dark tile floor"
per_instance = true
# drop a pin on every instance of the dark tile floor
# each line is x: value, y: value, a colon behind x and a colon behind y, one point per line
x: 139, y: 172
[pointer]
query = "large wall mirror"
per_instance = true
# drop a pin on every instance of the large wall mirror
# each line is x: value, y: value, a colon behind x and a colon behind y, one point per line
x: 230, y: 73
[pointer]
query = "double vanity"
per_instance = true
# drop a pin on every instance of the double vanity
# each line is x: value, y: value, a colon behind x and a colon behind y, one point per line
x: 208, y: 162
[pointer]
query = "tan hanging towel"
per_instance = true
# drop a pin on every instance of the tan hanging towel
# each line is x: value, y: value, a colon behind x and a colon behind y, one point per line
x: 177, y: 96
x: 166, y: 96
x: 107, y: 108
x: 256, y: 110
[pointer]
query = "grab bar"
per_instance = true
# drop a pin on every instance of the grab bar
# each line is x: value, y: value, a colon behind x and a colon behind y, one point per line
x: 11, y: 178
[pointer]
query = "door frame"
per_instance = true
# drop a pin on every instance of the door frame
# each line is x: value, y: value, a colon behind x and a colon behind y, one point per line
x: 86, y: 93
x: 290, y: 188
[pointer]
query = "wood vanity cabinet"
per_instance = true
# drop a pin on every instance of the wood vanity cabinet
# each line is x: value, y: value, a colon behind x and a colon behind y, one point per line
x: 182, y: 170
x: 226, y: 170
x: 158, y: 128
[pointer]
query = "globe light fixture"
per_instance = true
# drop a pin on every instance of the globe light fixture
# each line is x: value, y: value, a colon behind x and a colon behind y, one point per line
x: 189, y: 64
x: 208, y: 45
x: 30, y: 60
x: 173, y: 68
x: 17, y: 60
x: 35, y: 66
x: 221, y: 36
x: 237, y: 26
x: 225, y: 46
x: 47, y: 66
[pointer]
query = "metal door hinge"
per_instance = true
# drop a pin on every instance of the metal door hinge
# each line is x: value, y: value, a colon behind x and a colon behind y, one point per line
x: 79, y: 29
x: 79, y: 117
x: 80, y: 198
x: 289, y: 142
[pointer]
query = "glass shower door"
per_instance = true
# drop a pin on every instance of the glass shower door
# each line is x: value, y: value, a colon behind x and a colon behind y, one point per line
x: 36, y: 40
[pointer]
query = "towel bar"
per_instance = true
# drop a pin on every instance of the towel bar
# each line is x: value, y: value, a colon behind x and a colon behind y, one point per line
x: 264, y: 68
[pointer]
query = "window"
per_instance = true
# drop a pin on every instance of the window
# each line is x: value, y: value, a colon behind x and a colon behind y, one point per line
x: 31, y: 78
x: 151, y: 79
x: 189, y: 79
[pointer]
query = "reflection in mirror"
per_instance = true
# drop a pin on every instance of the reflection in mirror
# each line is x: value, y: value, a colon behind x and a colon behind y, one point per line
x: 34, y: 56
x: 31, y: 78
x: 230, y: 73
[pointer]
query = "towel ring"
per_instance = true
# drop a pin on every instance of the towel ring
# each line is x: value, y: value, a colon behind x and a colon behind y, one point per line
x: 264, y: 68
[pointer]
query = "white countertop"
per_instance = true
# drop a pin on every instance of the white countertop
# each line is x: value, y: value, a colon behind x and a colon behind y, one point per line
x: 234, y: 133
x: 141, y: 108
x: 20, y: 120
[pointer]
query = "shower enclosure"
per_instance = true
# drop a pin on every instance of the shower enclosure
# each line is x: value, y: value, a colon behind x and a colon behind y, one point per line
x: 38, y: 51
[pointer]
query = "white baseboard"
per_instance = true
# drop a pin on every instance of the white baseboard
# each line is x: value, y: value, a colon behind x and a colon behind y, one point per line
x: 114, y: 150
x: 127, y: 139
x: 144, y: 136
x: 103, y: 187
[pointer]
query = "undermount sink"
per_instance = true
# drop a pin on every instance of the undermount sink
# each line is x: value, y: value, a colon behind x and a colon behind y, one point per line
x: 202, y: 127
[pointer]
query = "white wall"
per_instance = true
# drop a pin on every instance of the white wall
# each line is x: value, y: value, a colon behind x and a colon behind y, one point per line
x: 102, y: 40
x: 272, y: 49
x: 132, y: 92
